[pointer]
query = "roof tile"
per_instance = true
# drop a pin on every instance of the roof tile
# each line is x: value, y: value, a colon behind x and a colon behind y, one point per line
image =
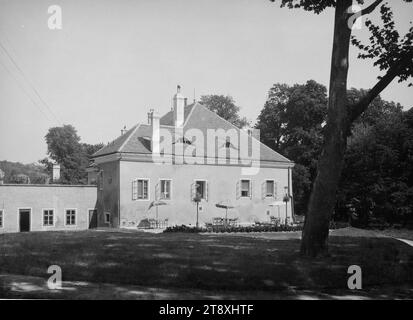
x: 137, y: 139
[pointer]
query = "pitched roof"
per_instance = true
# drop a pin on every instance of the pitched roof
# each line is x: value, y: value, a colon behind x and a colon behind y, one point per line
x: 168, y: 118
x: 115, y: 145
x: 202, y: 118
x: 138, y: 139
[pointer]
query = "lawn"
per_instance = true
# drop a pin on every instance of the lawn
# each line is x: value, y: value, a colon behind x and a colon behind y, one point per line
x: 199, y: 266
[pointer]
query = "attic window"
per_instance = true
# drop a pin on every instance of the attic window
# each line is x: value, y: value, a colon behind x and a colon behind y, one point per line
x: 227, y: 144
x: 183, y: 140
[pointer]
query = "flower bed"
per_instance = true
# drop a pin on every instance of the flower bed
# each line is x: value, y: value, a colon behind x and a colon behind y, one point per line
x: 253, y: 228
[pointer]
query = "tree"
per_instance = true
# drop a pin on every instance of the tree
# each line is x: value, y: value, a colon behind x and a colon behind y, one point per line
x: 393, y: 54
x: 272, y: 120
x: 225, y: 107
x: 65, y: 148
x: 377, y: 110
x: 20, y: 179
x: 15, y: 172
x: 378, y: 170
x: 291, y: 123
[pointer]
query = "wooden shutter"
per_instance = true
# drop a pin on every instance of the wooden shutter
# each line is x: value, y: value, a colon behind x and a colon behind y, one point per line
x: 193, y: 191
x: 251, y: 189
x: 134, y: 189
x: 168, y: 189
x: 158, y: 190
x: 238, y: 189
x: 206, y: 190
x: 264, y: 189
x: 275, y: 190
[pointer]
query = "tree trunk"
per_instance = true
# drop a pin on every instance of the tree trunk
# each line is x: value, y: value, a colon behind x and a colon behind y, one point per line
x: 329, y: 167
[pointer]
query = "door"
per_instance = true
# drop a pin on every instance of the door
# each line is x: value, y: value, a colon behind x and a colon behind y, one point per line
x: 24, y: 215
x: 93, y: 219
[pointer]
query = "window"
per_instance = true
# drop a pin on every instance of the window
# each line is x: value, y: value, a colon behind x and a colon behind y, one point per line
x: 48, y: 218
x: 200, y: 188
x: 269, y: 188
x: 70, y: 217
x: 107, y: 217
x: 166, y: 189
x: 1, y: 218
x: 245, y: 188
x: 140, y: 189
x: 183, y: 140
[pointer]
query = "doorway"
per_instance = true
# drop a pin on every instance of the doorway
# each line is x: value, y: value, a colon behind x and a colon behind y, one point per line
x: 24, y: 220
x: 93, y: 218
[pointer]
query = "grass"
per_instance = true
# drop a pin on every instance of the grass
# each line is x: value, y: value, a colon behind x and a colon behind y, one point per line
x: 210, y: 263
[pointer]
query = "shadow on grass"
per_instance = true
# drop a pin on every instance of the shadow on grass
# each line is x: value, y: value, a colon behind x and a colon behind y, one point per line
x: 218, y: 266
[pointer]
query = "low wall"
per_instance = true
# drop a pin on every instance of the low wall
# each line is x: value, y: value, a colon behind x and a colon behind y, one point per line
x: 36, y: 198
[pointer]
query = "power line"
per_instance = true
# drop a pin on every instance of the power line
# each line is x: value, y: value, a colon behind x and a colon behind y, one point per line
x: 29, y: 83
x: 25, y: 91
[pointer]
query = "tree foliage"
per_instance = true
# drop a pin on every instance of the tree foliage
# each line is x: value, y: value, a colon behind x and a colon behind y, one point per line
x: 386, y: 46
x: 65, y: 148
x: 291, y: 123
x: 16, y: 172
x: 225, y: 107
x: 393, y: 54
x: 378, y: 169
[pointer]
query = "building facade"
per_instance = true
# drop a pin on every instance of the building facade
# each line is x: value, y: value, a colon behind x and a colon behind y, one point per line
x: 157, y: 170
x: 26, y: 207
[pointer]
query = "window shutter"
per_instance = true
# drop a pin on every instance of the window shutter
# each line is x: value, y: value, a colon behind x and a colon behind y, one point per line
x: 251, y: 189
x: 238, y: 189
x: 193, y: 190
x: 264, y: 189
x: 206, y: 190
x: 134, y: 191
x: 275, y: 190
x: 158, y: 190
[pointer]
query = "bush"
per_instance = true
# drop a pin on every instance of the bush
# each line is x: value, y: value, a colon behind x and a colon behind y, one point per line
x: 185, y: 229
x: 247, y: 229
x: 338, y: 225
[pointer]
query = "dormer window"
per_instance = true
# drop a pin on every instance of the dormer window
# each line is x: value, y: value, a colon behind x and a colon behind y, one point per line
x: 183, y: 140
x: 186, y: 141
x: 227, y: 144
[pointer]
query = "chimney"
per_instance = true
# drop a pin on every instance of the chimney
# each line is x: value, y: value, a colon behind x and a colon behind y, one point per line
x: 56, y: 172
x: 255, y: 133
x: 123, y: 131
x: 150, y: 113
x: 178, y: 107
x: 153, y: 119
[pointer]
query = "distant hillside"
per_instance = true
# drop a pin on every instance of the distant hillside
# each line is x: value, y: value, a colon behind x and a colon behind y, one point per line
x: 15, y: 172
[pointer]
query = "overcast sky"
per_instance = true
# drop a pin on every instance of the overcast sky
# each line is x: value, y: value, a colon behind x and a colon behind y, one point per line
x: 114, y: 60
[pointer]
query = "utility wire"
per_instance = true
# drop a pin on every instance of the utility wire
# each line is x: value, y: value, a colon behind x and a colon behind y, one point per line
x: 25, y: 91
x: 29, y: 83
